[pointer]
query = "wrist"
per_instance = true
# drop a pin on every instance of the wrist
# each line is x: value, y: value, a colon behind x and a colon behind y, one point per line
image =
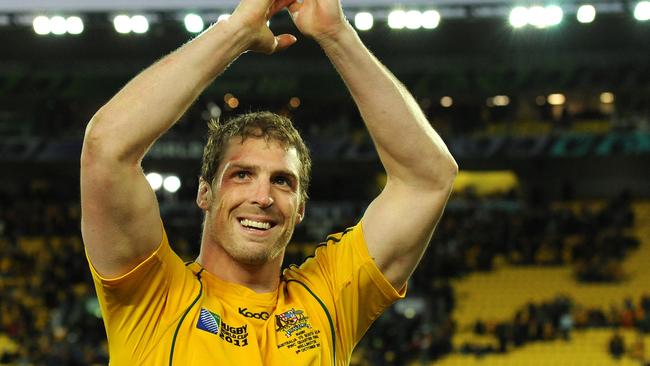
x: 236, y: 33
x: 333, y: 39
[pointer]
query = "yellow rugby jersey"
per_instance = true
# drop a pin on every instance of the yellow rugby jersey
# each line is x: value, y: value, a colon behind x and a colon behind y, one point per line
x: 164, y: 312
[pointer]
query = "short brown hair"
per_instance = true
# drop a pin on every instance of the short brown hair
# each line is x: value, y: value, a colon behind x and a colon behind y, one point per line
x: 267, y: 125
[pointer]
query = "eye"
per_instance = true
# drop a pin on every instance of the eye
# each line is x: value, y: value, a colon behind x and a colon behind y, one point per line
x: 242, y: 174
x: 282, y: 181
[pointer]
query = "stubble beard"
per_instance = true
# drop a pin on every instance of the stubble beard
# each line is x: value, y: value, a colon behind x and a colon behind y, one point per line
x: 239, y: 248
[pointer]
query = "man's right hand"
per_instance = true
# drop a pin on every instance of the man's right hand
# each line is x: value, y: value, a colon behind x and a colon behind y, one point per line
x: 251, y: 16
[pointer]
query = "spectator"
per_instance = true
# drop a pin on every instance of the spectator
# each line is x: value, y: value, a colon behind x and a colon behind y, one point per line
x: 616, y: 345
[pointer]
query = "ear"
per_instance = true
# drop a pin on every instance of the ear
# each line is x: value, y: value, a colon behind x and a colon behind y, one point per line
x: 301, y: 212
x: 204, y: 195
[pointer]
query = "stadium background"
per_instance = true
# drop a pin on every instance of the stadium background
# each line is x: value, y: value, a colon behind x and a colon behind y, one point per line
x: 540, y: 259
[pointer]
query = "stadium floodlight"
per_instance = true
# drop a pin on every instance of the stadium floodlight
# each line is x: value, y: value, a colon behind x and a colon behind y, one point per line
x: 223, y: 17
x: 500, y: 100
x: 41, y: 25
x: 537, y: 16
x: 214, y: 110
x: 642, y: 11
x: 446, y: 101
x: 586, y: 14
x: 607, y: 97
x: 58, y: 25
x: 122, y: 24
x: 171, y: 183
x: 74, y: 25
x: 363, y: 21
x: 430, y: 19
x: 397, y: 19
x: 553, y: 15
x: 413, y: 19
x: 139, y: 24
x: 155, y: 180
x: 194, y: 23
x: 518, y: 17
x: 556, y: 99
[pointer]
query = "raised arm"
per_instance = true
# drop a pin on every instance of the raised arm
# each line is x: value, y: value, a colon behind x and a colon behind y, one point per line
x: 120, y: 217
x: 399, y: 223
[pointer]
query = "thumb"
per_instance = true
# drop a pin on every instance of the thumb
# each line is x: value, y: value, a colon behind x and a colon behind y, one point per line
x: 284, y: 41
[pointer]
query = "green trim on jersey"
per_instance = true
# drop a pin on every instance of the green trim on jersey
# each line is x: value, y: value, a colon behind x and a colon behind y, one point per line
x: 178, y: 327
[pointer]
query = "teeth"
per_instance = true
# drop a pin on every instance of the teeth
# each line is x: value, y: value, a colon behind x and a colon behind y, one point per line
x: 255, y: 224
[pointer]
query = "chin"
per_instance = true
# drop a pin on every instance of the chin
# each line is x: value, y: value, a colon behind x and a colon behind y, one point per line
x: 250, y: 256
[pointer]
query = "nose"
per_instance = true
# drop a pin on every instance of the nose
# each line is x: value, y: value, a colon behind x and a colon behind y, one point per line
x: 262, y: 196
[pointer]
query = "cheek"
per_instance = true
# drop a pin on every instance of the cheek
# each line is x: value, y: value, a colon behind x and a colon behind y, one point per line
x: 291, y: 209
x: 226, y: 200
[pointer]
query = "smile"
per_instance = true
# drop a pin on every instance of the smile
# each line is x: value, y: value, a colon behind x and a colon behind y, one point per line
x: 256, y: 224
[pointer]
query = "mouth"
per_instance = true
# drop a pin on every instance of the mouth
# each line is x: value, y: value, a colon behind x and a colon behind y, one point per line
x: 256, y: 225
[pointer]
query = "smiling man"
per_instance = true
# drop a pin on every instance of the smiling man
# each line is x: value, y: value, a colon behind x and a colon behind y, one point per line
x: 232, y: 306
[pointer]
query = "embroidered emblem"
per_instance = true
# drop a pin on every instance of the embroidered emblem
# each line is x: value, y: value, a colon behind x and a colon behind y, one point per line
x: 291, y: 321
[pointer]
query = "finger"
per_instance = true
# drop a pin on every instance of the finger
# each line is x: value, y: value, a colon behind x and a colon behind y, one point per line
x: 293, y: 8
x: 277, y: 6
x: 284, y: 41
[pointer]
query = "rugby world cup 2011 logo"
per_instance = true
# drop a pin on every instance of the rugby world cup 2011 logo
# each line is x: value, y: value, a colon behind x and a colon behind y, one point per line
x: 291, y: 321
x: 209, y: 321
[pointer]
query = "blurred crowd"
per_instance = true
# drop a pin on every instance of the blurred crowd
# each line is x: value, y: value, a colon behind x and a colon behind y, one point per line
x: 475, y: 230
x: 556, y: 319
x: 48, y: 308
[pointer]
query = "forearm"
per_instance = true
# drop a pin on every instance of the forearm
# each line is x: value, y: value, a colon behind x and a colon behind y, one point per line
x: 153, y: 101
x: 409, y: 148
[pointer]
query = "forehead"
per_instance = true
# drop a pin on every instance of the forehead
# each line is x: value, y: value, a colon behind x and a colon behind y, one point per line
x: 257, y: 151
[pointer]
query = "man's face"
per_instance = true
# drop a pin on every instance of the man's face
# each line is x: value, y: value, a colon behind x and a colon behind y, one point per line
x: 254, y: 201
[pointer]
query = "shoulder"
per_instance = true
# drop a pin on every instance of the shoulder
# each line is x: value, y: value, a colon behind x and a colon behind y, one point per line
x: 322, y: 249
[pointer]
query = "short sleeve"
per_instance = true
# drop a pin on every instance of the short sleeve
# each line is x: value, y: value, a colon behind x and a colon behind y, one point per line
x: 137, y: 306
x: 359, y: 291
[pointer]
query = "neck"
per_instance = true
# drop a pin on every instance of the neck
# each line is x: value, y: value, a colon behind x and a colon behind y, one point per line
x: 261, y: 278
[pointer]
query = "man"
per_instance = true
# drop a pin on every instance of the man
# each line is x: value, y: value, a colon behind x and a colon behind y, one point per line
x: 231, y: 306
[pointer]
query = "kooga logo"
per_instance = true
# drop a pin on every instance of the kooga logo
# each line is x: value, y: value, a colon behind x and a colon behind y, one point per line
x: 263, y: 315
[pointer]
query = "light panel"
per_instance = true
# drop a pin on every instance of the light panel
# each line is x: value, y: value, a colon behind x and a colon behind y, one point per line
x: 397, y: 19
x: 537, y: 16
x: 171, y: 183
x: 413, y: 20
x: 518, y: 17
x: 41, y: 25
x: 642, y: 11
x: 139, y: 24
x: 586, y: 14
x: 122, y: 24
x: 58, y: 25
x: 74, y: 25
x: 155, y: 180
x: 363, y: 21
x: 430, y: 19
x: 556, y: 99
x: 193, y: 23
x: 607, y: 98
